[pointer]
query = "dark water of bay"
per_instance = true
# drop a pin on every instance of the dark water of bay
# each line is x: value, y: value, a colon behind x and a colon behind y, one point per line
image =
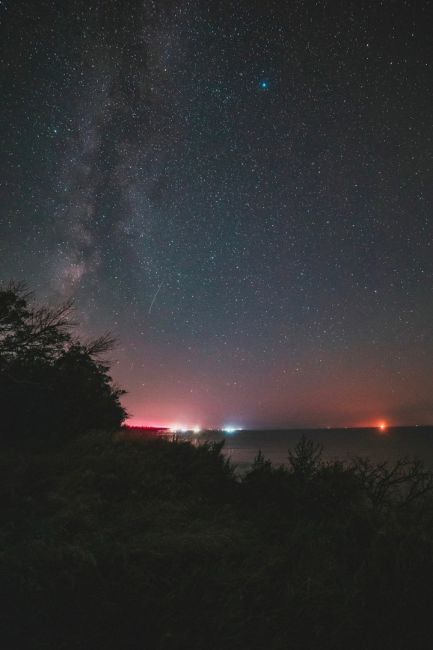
x: 338, y: 444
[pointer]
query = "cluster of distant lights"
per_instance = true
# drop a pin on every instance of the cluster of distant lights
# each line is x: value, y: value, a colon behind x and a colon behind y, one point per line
x: 178, y: 428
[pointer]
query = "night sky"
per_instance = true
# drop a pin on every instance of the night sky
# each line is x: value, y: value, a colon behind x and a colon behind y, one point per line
x: 240, y: 191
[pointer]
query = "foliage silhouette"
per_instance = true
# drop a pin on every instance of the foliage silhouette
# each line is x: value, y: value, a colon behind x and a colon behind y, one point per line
x: 305, y: 458
x: 50, y: 382
x: 111, y: 542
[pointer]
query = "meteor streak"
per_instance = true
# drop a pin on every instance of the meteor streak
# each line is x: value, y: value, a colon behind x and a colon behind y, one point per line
x: 154, y: 298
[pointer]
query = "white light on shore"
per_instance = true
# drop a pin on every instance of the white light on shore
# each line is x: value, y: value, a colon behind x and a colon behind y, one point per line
x: 229, y: 429
x: 182, y: 428
x: 178, y: 428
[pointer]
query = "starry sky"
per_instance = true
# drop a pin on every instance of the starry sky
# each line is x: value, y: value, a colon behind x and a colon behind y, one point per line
x: 240, y: 191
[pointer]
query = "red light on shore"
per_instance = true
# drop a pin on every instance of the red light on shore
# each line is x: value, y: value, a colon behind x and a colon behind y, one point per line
x: 382, y: 426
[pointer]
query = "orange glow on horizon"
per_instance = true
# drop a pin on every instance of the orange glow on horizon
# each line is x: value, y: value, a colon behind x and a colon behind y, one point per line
x: 382, y: 426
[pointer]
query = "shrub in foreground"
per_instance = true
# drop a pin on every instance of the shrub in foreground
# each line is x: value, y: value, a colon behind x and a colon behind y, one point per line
x: 118, y: 543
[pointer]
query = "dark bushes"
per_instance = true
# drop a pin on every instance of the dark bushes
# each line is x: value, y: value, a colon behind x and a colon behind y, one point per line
x: 117, y: 543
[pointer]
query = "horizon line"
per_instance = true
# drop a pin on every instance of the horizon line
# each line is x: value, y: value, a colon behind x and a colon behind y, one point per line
x: 280, y: 428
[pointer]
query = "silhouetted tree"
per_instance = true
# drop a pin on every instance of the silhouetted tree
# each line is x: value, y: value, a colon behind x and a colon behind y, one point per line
x: 50, y: 382
x: 304, y: 460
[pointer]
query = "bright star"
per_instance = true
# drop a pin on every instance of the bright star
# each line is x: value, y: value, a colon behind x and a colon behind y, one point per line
x: 264, y: 85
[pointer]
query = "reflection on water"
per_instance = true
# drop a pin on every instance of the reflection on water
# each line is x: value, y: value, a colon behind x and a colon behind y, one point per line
x: 342, y: 444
